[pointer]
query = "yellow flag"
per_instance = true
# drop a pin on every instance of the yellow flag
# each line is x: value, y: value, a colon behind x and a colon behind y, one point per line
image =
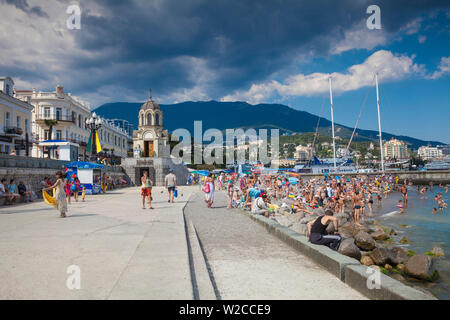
x: 97, y: 142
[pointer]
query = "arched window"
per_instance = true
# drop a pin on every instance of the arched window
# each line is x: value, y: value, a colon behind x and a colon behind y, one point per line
x: 149, y: 119
x: 142, y: 120
x: 157, y: 119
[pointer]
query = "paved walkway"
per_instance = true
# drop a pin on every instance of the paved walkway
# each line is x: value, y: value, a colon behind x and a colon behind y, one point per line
x: 249, y: 263
x: 124, y: 252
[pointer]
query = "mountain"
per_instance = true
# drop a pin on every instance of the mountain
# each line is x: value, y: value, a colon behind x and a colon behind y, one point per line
x: 229, y: 115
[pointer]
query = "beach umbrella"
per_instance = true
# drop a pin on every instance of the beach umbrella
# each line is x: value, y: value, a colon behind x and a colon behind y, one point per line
x: 203, y: 173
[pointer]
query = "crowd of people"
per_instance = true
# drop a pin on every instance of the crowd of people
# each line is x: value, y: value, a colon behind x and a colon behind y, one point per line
x: 264, y: 194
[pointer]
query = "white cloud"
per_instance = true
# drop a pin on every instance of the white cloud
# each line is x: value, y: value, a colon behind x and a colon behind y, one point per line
x: 422, y: 39
x: 443, y: 68
x: 389, y: 67
x: 360, y: 37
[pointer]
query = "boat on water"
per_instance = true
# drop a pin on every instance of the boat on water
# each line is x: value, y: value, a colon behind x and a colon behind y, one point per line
x: 317, y: 166
x: 437, y: 165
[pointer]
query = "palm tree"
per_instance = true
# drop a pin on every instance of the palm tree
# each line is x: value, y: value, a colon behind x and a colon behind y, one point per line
x: 50, y: 124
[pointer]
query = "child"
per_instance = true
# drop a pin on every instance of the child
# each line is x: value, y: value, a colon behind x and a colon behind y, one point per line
x: 400, y: 205
x: 434, y: 210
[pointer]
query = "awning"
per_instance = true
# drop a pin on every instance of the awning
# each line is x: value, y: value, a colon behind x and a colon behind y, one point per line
x: 53, y: 143
x: 85, y: 165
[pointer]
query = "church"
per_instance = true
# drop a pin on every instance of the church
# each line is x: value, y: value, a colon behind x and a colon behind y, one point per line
x: 151, y: 149
x: 150, y: 140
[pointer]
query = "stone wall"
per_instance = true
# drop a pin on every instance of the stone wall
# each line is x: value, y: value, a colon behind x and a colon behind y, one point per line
x: 158, y: 168
x: 33, y: 170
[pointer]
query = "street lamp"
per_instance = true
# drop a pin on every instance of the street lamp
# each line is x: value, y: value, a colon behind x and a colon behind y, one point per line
x: 93, y: 123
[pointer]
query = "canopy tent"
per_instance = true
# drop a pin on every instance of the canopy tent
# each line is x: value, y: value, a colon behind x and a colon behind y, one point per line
x: 85, y: 165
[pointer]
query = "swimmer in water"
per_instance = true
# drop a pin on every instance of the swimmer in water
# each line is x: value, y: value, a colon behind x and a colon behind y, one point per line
x: 400, y: 205
x: 434, y: 211
x: 423, y: 192
x: 404, y: 191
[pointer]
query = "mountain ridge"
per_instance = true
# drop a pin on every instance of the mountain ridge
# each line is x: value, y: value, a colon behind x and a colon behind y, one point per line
x: 239, y: 114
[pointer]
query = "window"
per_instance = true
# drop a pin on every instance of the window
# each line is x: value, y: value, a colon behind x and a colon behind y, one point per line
x: 26, y: 125
x: 157, y: 119
x: 58, y: 113
x: 46, y: 134
x: 7, y: 120
x: 7, y: 89
x: 149, y: 119
x: 46, y: 112
x: 115, y: 140
x: 79, y: 121
x: 18, y: 122
x: 58, y: 135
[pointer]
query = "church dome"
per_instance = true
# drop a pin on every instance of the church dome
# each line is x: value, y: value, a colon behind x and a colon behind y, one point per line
x: 150, y: 104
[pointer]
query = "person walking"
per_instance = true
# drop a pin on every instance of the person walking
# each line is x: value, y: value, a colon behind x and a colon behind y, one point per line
x: 209, y: 190
x: 146, y: 190
x: 170, y: 182
x: 60, y: 194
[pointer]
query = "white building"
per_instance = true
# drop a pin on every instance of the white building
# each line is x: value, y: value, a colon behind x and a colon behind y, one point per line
x: 15, y: 121
x: 303, y: 153
x: 430, y: 153
x: 66, y: 116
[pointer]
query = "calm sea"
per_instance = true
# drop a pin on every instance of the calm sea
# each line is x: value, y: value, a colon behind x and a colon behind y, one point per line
x: 424, y: 229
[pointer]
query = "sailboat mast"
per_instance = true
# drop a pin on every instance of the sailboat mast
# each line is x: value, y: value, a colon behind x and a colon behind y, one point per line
x: 332, y: 126
x: 379, y: 125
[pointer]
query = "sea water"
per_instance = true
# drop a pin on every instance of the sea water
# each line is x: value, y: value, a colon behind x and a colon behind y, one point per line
x: 424, y: 229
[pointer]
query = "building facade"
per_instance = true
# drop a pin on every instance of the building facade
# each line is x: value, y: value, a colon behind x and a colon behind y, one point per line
x: 430, y: 153
x: 15, y: 121
x: 395, y: 149
x: 58, y: 117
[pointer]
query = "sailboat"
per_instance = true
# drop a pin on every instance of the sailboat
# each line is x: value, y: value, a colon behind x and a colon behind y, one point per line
x: 334, y: 165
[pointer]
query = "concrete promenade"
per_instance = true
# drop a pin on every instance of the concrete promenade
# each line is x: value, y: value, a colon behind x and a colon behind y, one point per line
x: 249, y: 263
x: 125, y: 252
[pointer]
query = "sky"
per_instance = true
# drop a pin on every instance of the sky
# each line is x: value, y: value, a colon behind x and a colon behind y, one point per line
x: 276, y: 51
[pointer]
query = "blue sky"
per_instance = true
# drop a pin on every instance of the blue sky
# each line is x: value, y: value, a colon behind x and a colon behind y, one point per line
x: 280, y: 51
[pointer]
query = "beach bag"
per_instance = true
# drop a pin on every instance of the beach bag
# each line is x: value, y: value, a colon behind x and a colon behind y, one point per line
x: 175, y: 193
x: 206, y: 188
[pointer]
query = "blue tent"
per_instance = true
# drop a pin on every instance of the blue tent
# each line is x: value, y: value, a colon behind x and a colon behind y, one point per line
x: 85, y: 165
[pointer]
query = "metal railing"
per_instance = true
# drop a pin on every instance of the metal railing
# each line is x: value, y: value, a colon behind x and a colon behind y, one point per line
x: 57, y: 117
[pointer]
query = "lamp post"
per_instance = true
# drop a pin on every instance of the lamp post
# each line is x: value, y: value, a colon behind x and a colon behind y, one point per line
x: 94, y: 123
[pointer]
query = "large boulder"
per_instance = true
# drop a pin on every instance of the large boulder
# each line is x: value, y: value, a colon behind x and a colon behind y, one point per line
x: 330, y: 228
x: 300, y: 228
x: 398, y: 255
x: 366, y: 261
x: 379, y: 235
x: 380, y: 256
x: 284, y: 221
x: 296, y: 217
x: 348, y: 248
x: 307, y: 219
x: 364, y: 241
x: 437, y: 252
x: 421, y: 267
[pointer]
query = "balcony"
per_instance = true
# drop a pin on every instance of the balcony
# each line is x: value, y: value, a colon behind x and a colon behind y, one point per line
x: 13, y: 131
x: 40, y: 118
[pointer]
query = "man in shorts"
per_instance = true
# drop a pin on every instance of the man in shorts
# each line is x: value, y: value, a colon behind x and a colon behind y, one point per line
x: 170, y: 182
